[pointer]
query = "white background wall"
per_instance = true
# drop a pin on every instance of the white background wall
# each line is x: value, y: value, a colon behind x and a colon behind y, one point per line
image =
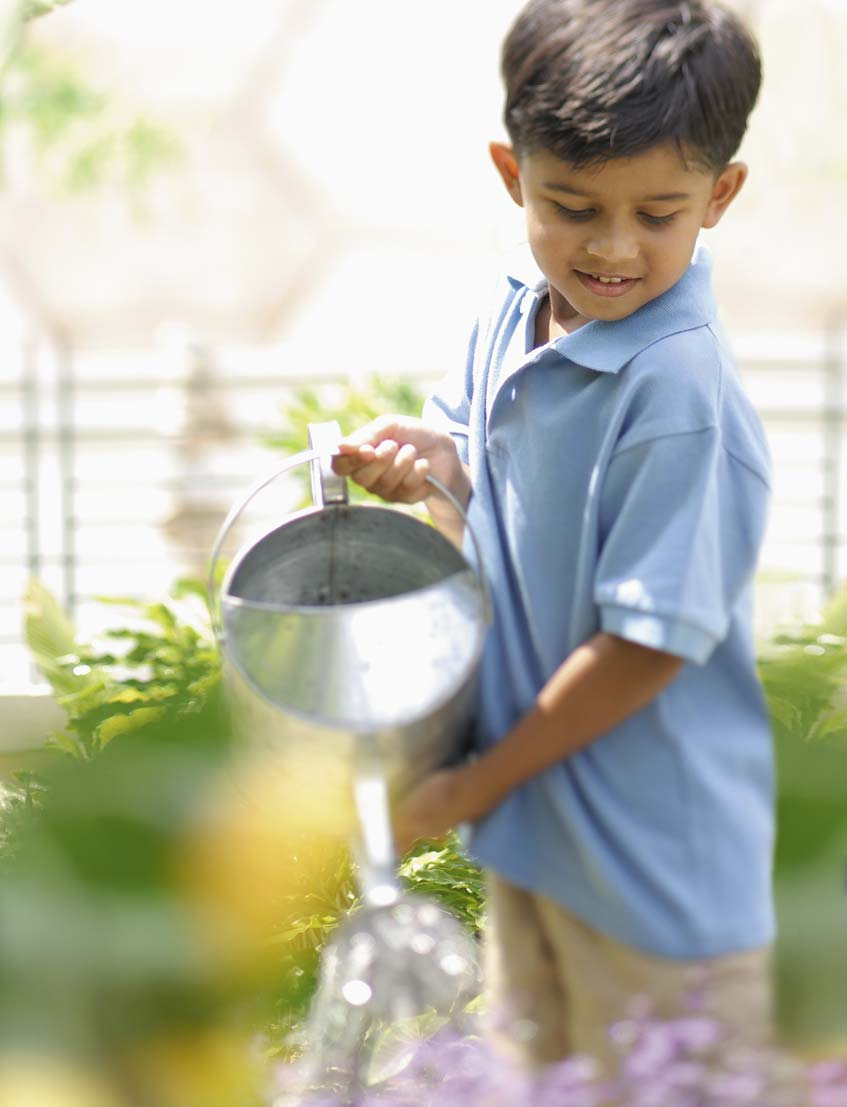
x: 336, y: 154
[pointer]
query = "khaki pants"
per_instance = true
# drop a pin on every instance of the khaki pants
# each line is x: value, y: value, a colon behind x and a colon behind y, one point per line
x: 555, y: 986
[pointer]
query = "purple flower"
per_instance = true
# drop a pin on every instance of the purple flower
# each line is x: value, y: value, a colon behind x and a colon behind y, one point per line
x: 689, y: 1062
x: 574, y: 1082
x: 652, y: 1051
x: 828, y: 1084
x: 696, y: 1033
x: 830, y: 1096
x: 736, y: 1088
x: 827, y: 1072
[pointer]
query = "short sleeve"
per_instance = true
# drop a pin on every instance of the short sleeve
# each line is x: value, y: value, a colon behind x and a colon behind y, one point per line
x: 681, y: 522
x: 449, y: 406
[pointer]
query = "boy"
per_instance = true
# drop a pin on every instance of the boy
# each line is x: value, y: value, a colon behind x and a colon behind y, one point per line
x: 618, y: 480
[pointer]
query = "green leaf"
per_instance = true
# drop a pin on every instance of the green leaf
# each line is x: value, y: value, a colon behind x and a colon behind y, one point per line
x: 162, y: 615
x: 832, y: 724
x: 117, y: 725
x: 34, y: 9
x: 49, y: 631
x: 65, y: 742
x: 49, y: 634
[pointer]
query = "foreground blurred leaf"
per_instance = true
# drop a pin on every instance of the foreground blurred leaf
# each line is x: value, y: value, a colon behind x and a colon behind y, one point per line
x: 33, y: 9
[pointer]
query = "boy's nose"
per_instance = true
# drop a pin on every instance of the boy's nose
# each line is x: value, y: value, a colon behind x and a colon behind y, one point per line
x: 613, y: 246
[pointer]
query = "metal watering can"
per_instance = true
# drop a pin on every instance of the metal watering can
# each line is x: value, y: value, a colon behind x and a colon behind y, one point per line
x: 351, y: 636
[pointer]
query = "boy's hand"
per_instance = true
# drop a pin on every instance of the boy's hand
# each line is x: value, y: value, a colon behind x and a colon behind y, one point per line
x: 438, y: 804
x: 393, y: 455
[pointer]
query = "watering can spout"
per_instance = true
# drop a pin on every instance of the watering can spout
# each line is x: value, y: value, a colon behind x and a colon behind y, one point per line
x: 376, y: 856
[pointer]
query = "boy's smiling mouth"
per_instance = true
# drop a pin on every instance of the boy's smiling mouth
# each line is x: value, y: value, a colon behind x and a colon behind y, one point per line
x: 603, y: 284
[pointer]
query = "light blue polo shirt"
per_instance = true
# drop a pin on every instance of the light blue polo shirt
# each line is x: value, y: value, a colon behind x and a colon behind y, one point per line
x: 621, y: 483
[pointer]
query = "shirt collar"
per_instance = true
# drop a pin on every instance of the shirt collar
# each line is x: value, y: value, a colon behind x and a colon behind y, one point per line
x: 607, y: 347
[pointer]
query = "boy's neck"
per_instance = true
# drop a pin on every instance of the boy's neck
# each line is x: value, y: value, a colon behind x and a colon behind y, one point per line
x: 548, y: 328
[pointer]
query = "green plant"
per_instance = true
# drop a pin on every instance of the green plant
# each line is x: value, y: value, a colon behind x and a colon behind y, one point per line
x: 804, y: 675
x: 145, y: 726
x: 34, y: 9
x: 164, y: 670
x: 19, y: 797
x: 443, y: 870
x: 805, y: 680
x: 79, y: 137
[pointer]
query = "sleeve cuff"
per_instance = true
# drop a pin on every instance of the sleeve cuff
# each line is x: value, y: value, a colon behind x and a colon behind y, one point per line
x: 658, y: 632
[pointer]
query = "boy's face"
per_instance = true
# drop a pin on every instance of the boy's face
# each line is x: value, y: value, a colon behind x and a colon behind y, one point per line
x: 611, y: 238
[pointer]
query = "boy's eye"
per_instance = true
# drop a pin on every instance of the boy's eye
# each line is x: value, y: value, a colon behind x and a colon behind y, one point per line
x: 657, y: 220
x: 578, y: 215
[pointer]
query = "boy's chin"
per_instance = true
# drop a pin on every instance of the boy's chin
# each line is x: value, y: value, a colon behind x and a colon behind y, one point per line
x: 610, y: 313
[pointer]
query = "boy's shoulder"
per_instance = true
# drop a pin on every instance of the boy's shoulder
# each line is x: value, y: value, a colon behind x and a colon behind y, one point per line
x: 688, y: 382
x: 669, y: 365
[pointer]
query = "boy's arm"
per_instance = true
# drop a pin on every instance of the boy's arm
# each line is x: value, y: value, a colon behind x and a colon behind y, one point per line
x: 599, y: 685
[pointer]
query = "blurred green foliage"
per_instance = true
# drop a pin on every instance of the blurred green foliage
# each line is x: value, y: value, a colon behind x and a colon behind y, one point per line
x: 106, y: 948
x: 98, y: 839
x: 34, y: 9
x: 79, y: 138
x: 805, y: 679
x: 102, y: 839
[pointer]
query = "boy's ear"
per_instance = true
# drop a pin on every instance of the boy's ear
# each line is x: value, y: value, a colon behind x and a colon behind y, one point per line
x: 726, y: 188
x: 507, y: 166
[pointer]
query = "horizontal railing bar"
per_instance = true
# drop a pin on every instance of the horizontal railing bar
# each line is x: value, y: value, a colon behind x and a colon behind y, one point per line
x: 239, y: 432
x: 815, y: 359
x: 278, y: 379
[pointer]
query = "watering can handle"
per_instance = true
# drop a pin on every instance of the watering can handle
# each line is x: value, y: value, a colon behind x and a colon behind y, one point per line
x: 318, y: 456
x: 327, y: 486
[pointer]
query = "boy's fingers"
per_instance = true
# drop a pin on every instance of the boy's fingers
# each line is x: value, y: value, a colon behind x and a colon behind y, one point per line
x: 351, y: 458
x: 353, y: 449
x: 369, y: 435
x: 370, y: 474
x: 402, y: 465
x: 388, y: 469
x: 414, y: 486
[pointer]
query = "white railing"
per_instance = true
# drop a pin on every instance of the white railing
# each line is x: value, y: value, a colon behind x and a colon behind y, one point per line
x: 118, y: 468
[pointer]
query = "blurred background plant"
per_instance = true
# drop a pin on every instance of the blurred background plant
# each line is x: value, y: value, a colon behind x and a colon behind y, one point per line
x: 77, y: 135
x: 805, y: 680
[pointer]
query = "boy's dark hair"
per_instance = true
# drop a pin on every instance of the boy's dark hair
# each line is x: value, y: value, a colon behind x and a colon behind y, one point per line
x: 590, y: 80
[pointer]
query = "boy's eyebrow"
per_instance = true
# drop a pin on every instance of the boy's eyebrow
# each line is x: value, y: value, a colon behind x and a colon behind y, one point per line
x: 559, y: 187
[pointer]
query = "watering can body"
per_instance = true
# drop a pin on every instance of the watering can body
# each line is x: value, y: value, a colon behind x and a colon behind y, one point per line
x: 351, y: 636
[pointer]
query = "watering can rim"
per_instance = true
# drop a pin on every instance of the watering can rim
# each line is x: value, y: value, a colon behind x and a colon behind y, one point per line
x: 215, y: 592
x: 225, y: 595
x: 233, y: 601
